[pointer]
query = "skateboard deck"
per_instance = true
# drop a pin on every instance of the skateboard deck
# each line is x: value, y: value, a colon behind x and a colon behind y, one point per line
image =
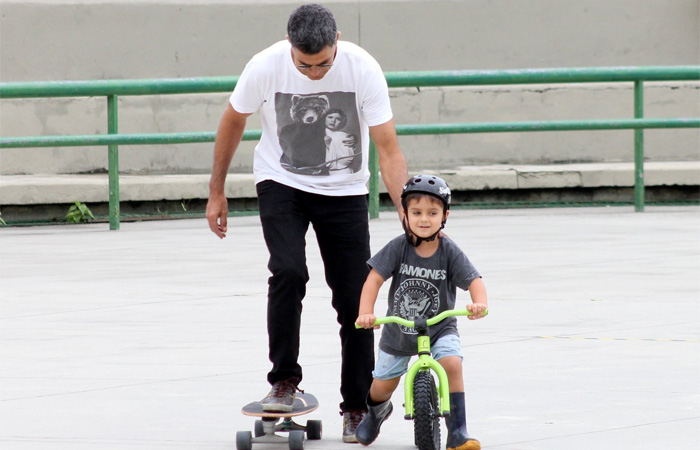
x: 303, y: 404
x: 267, y: 427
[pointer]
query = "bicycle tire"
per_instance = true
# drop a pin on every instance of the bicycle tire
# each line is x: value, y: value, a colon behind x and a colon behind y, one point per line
x: 426, y: 416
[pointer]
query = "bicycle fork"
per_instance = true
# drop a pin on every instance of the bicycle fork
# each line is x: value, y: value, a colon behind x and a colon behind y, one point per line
x: 426, y: 362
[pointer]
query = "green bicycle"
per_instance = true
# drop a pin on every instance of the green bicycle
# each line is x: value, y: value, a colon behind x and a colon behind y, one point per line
x: 424, y: 400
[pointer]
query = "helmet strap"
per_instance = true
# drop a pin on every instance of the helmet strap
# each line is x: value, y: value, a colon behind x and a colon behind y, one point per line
x: 416, y: 240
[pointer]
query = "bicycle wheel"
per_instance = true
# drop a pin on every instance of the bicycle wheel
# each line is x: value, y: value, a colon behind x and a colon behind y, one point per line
x: 426, y: 417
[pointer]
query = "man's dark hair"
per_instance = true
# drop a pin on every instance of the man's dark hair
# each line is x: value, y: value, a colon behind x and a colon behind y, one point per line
x: 311, y: 28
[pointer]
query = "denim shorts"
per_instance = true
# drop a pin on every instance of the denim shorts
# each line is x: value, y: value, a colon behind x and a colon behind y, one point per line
x: 393, y: 366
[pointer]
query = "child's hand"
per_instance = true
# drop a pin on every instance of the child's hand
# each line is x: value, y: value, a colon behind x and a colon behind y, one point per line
x: 367, y: 321
x: 478, y: 311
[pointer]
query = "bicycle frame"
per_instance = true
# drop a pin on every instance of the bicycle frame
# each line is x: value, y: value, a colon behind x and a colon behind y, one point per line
x: 425, y: 361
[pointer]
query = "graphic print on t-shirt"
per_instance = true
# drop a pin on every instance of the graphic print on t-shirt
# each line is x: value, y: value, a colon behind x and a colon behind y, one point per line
x: 416, y: 297
x: 319, y: 133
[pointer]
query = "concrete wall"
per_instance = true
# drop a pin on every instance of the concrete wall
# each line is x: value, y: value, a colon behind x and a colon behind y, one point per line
x: 98, y: 39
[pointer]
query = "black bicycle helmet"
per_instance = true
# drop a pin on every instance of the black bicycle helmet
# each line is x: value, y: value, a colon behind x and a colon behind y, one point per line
x: 425, y: 184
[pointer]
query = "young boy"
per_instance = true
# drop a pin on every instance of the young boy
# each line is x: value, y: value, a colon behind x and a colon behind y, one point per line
x: 427, y: 268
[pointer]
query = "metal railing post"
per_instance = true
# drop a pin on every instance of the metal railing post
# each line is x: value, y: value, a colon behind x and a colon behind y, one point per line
x: 639, y: 147
x: 113, y: 162
x: 373, y: 181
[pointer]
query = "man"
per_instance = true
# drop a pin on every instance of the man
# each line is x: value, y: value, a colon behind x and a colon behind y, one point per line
x: 293, y: 84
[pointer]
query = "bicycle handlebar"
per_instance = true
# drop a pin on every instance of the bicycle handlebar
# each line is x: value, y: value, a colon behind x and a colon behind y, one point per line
x: 432, y: 321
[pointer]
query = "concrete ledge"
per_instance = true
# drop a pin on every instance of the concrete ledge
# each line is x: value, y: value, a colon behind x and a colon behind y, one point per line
x: 57, y: 189
x: 676, y: 173
x: 62, y: 189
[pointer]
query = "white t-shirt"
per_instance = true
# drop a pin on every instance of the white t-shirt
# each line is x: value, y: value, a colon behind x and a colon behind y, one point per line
x: 292, y: 149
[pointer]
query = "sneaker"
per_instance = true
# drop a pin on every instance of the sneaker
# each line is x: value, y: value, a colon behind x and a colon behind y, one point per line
x: 351, y: 419
x: 281, y: 397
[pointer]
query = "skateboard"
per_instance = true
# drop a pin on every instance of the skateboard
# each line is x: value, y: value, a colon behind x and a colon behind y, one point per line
x: 269, y: 424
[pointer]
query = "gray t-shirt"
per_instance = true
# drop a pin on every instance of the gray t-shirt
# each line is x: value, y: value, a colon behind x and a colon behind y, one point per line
x: 421, y: 286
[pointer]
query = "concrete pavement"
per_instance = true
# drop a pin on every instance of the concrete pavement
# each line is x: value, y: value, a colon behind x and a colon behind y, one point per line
x: 153, y: 336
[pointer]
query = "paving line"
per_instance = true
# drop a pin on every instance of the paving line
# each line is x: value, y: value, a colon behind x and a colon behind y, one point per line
x: 581, y: 338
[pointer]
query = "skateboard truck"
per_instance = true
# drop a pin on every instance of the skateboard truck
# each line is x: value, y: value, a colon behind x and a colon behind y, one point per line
x: 270, y: 423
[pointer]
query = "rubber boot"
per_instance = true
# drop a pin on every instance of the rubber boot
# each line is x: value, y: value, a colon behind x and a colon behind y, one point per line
x: 457, y: 436
x: 368, y: 429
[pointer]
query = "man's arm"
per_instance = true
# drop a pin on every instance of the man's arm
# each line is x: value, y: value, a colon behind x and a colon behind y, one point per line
x: 228, y: 137
x: 391, y: 161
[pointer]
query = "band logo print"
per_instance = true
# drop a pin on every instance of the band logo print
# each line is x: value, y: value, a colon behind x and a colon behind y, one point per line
x: 413, y: 298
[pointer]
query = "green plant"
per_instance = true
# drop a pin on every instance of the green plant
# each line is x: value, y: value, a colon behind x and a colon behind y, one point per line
x: 2, y: 222
x: 79, y: 213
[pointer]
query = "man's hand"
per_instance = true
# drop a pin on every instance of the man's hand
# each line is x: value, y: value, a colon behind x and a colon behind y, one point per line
x: 217, y: 213
x: 228, y: 136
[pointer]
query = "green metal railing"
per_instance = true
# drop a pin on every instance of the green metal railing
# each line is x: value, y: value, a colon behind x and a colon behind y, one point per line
x: 112, y: 89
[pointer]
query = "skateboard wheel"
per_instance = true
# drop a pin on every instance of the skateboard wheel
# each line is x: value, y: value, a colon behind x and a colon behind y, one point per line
x: 259, y: 428
x: 313, y: 429
x: 244, y: 440
x: 296, y: 440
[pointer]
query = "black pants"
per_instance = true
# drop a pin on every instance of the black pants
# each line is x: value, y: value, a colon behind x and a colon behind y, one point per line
x: 342, y: 230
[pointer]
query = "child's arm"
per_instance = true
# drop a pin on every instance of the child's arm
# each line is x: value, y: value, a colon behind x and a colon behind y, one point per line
x: 370, y: 291
x: 477, y: 291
